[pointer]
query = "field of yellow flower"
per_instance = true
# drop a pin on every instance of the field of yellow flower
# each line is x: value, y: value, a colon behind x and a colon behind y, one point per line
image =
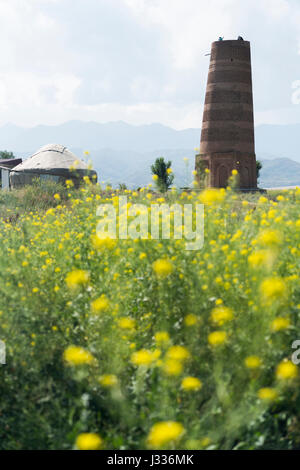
x: 133, y: 344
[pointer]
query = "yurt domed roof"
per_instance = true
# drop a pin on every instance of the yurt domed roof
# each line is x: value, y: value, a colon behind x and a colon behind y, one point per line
x: 51, y: 158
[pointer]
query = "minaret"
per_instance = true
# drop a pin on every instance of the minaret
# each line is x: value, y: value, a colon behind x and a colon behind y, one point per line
x: 227, y: 138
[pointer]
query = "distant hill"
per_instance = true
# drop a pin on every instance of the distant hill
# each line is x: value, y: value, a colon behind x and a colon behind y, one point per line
x: 123, y: 153
x: 94, y: 136
x: 133, y: 168
x: 271, y: 141
x: 278, y: 141
x: 280, y: 172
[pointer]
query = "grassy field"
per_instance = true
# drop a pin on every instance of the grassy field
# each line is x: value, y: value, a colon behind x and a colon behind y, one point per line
x: 133, y: 344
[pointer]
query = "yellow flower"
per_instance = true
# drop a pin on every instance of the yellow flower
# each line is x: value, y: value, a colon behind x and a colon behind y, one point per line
x: 267, y: 394
x: 179, y: 353
x: 127, y: 323
x: 142, y: 358
x: 221, y: 315
x: 269, y: 238
x: 163, y: 268
x: 164, y: 434
x: 280, y: 323
x: 253, y: 362
x: 57, y: 197
x: 102, y: 244
x: 191, y: 383
x: 75, y: 356
x: 87, y: 180
x: 172, y: 367
x: 169, y: 171
x: 262, y: 200
x: 100, y: 305
x: 108, y: 380
x: 69, y: 183
x: 77, y: 278
x: 162, y: 337
x: 217, y: 338
x: 212, y: 196
x: 190, y: 320
x: 272, y: 289
x: 155, y: 177
x: 89, y: 441
x: 262, y: 258
x: 286, y: 370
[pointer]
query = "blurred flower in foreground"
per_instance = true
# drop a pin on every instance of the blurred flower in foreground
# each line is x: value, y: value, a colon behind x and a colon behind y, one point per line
x: 273, y: 289
x: 142, y: 358
x: 191, y: 383
x: 75, y: 356
x: 269, y: 238
x: 217, y: 338
x: 253, y: 362
x: 163, y: 268
x: 127, y: 323
x: 190, y: 320
x: 179, y: 353
x: 212, y: 196
x: 172, y: 367
x: 164, y: 433
x: 108, y: 380
x: 77, y: 278
x: 267, y: 394
x: 221, y: 315
x: 100, y: 305
x: 162, y: 337
x: 286, y: 370
x: 89, y: 441
x: 280, y: 323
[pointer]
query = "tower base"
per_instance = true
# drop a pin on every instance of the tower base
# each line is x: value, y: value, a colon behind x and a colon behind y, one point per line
x: 221, y: 165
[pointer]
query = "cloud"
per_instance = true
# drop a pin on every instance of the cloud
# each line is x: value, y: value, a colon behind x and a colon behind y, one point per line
x: 138, y: 60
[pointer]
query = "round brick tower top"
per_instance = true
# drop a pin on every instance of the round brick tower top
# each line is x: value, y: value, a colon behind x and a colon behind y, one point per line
x: 228, y: 124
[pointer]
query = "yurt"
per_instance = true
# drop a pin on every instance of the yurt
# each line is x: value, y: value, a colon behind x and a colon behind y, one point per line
x: 51, y: 162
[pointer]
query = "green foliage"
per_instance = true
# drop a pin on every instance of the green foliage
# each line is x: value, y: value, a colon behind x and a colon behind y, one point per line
x: 164, y: 177
x: 145, y: 288
x: 36, y: 197
x: 258, y: 168
x: 5, y: 155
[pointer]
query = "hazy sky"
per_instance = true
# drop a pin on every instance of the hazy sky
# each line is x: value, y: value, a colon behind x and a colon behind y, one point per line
x: 140, y: 61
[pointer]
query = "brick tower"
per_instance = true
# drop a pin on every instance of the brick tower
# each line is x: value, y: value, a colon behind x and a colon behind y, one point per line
x: 227, y: 138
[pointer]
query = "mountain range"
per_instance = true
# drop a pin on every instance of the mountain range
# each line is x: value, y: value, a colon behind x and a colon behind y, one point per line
x: 123, y: 153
